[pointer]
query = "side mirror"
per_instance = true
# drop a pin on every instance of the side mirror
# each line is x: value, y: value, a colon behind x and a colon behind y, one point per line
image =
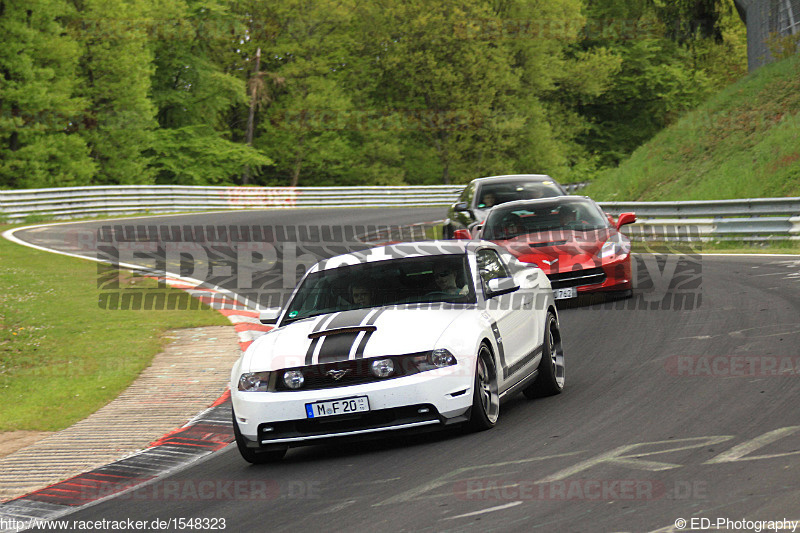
x: 269, y: 316
x: 462, y: 234
x: 625, y: 218
x: 461, y: 206
x: 498, y: 286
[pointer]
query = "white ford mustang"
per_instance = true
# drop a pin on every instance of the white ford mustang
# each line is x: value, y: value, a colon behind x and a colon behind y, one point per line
x: 402, y: 337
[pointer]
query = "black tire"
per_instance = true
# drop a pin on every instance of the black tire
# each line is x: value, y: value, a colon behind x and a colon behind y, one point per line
x: 485, y: 397
x: 551, y: 368
x: 255, y: 456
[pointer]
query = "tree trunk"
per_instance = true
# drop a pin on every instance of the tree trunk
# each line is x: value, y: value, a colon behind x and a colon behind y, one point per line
x: 298, y: 162
x: 251, y: 116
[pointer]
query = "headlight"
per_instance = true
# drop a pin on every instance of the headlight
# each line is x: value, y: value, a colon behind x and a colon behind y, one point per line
x: 382, y: 368
x: 254, y: 382
x: 614, y: 247
x: 441, y: 358
x: 294, y: 379
x: 438, y: 358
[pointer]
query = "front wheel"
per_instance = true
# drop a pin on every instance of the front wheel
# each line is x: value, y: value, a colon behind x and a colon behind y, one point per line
x: 551, y: 368
x: 255, y: 456
x: 485, y: 398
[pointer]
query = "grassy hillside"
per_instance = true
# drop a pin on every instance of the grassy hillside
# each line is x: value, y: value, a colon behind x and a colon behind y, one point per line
x: 743, y: 143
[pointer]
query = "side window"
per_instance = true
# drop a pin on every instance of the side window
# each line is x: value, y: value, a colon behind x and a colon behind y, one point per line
x: 467, y: 193
x: 490, y: 265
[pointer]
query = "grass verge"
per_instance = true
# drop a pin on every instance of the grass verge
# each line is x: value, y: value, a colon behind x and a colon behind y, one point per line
x: 62, y: 357
x: 787, y: 247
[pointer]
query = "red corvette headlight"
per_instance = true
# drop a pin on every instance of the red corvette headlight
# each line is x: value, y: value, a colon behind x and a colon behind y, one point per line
x: 614, y: 247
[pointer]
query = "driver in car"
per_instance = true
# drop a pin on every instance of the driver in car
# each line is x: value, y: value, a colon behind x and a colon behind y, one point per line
x: 361, y: 295
x: 567, y: 216
x: 445, y: 279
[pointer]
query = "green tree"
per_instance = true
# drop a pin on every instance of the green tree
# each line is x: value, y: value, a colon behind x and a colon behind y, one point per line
x: 196, y: 84
x: 449, y: 88
x: 557, y: 77
x: 665, y: 70
x: 304, y: 119
x: 115, y: 71
x: 40, y: 145
x: 688, y: 20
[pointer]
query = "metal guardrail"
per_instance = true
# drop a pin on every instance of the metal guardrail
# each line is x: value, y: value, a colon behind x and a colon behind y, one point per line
x: 72, y: 202
x: 748, y: 219
x: 753, y: 219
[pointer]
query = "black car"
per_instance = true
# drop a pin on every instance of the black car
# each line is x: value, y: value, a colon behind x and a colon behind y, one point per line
x: 482, y: 194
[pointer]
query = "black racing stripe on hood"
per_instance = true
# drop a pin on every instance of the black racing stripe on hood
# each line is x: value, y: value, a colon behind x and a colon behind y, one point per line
x: 313, y: 345
x: 336, y: 347
x: 347, y: 319
x: 374, y: 318
x: 320, y: 322
x: 363, y: 344
x: 310, y: 352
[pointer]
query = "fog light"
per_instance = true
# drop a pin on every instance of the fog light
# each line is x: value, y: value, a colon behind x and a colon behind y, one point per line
x: 382, y: 368
x: 294, y: 379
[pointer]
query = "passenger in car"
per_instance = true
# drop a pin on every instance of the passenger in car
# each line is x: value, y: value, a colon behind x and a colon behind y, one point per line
x: 489, y: 200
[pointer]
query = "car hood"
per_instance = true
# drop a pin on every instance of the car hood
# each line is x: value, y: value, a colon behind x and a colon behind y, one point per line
x: 360, y: 333
x: 559, y: 251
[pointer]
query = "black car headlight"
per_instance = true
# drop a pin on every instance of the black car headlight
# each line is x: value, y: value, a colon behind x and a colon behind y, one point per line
x: 439, y: 358
x: 254, y: 382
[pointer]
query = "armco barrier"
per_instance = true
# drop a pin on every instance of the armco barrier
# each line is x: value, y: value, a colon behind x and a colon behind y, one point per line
x: 82, y: 201
x: 753, y: 219
x: 747, y: 219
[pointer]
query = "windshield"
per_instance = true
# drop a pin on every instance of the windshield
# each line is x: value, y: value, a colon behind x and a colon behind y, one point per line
x: 535, y: 217
x: 492, y: 194
x: 443, y: 278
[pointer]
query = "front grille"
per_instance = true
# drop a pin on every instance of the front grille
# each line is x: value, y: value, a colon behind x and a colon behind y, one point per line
x: 576, y: 278
x: 344, y: 423
x: 358, y: 372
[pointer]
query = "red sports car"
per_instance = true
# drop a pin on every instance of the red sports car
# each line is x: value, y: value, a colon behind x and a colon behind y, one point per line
x: 570, y: 238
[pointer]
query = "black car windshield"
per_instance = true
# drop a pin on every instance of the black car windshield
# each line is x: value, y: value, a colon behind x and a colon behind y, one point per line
x: 542, y: 216
x: 497, y: 193
x: 428, y: 279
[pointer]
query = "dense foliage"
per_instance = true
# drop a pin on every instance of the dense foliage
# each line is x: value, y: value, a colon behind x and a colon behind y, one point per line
x: 744, y: 142
x: 346, y: 92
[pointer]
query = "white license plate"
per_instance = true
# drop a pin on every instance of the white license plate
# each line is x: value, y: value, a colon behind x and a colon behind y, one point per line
x: 563, y: 294
x: 358, y: 404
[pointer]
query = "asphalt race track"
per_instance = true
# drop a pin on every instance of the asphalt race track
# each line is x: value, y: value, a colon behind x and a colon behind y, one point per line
x: 680, y: 403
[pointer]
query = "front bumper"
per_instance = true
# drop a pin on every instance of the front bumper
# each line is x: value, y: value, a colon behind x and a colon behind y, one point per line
x: 610, y: 276
x: 421, y: 401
